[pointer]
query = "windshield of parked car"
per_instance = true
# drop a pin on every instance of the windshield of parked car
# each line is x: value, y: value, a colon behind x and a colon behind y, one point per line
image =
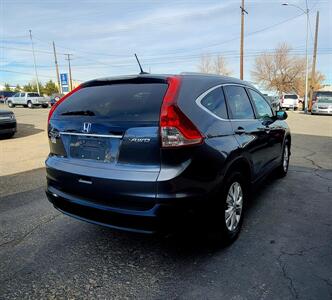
x: 324, y: 100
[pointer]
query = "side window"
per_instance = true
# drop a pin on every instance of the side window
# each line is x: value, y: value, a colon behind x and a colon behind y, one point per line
x: 263, y: 109
x: 22, y: 95
x: 17, y: 95
x: 238, y: 102
x: 215, y: 102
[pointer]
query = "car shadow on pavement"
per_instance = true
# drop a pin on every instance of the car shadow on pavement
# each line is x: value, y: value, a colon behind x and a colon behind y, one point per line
x: 24, y: 130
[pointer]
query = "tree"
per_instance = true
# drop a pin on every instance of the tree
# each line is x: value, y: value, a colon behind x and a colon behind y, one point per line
x: 17, y: 88
x: 216, y: 65
x: 28, y: 88
x: 281, y: 72
x: 50, y: 88
x: 220, y: 66
x: 7, y: 88
x: 32, y: 87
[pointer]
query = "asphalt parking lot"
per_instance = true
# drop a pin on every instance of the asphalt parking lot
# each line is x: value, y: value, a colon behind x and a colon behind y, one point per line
x: 283, y: 252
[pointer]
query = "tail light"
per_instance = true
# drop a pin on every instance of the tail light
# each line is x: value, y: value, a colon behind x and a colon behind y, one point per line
x: 56, y: 104
x: 282, y: 99
x: 176, y: 129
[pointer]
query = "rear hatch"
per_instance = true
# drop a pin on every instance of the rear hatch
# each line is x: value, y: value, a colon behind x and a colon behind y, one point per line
x: 291, y: 100
x: 104, y: 139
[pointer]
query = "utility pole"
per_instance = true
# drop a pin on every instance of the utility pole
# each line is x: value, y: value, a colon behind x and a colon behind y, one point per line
x: 34, y: 61
x: 70, y: 78
x: 314, y: 57
x: 243, y: 11
x: 57, y: 69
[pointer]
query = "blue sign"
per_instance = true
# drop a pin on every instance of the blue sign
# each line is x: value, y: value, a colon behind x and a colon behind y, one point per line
x: 64, y: 79
x: 65, y: 89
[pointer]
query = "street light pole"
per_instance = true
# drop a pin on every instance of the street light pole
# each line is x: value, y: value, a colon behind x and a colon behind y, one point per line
x: 34, y: 61
x: 306, y: 12
x: 306, y: 65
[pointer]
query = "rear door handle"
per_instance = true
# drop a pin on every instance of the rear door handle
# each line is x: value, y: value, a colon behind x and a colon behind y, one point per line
x: 240, y: 130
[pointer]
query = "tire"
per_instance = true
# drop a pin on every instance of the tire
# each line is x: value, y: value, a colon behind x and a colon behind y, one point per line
x: 227, y: 209
x: 30, y: 105
x: 10, y: 104
x: 44, y: 105
x: 282, y: 170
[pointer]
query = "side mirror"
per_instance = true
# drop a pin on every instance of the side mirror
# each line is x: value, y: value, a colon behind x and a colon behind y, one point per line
x: 281, y: 115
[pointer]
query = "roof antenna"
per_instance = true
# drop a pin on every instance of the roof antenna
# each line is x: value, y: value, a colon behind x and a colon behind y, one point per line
x: 142, y: 72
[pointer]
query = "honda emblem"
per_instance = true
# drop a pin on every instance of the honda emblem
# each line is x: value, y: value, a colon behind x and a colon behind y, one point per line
x: 86, y: 127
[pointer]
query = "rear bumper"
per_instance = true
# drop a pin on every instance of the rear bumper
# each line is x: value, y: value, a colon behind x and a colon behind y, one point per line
x: 161, y: 217
x: 127, y: 203
x: 322, y: 111
x: 285, y: 105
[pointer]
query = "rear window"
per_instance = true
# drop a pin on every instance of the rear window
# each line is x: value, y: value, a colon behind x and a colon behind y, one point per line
x: 119, y: 102
x: 290, y: 97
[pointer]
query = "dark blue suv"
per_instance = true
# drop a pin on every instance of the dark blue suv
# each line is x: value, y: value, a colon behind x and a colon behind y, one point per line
x: 140, y: 153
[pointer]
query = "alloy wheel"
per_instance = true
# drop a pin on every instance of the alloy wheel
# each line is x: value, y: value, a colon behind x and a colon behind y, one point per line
x: 286, y: 158
x: 234, y: 205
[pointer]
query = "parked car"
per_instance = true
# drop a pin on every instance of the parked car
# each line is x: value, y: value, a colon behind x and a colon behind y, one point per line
x: 140, y: 153
x: 55, y: 98
x: 7, y: 124
x: 27, y: 100
x: 288, y: 101
x: 4, y: 95
x: 322, y: 103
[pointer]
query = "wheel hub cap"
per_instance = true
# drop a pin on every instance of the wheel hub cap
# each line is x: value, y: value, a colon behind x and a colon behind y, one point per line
x: 234, y: 203
x: 286, y: 158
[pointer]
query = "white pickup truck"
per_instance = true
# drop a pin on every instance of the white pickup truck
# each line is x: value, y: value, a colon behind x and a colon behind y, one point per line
x: 27, y: 99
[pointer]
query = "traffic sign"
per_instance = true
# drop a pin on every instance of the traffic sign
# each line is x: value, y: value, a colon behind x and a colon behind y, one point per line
x: 64, y: 79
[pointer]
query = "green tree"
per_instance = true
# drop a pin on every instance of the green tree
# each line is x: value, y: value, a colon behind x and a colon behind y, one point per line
x: 50, y: 88
x: 28, y: 87
x: 7, y: 87
x: 17, y: 88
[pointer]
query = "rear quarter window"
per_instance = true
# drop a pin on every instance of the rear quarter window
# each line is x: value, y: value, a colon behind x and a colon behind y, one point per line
x: 118, y: 102
x: 215, y: 103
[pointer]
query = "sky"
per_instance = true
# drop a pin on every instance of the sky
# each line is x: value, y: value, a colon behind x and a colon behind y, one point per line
x: 168, y: 36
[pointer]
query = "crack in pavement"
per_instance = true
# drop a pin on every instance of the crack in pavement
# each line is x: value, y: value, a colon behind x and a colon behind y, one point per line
x: 17, y: 241
x: 282, y: 264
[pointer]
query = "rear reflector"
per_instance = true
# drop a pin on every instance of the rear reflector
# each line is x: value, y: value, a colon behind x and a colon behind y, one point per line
x: 176, y: 129
x: 56, y: 104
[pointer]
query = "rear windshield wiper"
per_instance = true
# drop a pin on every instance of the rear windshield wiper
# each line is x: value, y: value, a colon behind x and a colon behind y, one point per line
x: 78, y: 113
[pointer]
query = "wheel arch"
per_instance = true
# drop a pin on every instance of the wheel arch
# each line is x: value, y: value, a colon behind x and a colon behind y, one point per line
x: 240, y: 164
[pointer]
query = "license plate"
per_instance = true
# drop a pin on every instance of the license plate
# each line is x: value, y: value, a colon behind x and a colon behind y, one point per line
x: 93, y: 148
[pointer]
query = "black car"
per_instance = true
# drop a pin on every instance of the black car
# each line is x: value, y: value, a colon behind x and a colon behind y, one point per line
x: 143, y: 153
x: 7, y: 124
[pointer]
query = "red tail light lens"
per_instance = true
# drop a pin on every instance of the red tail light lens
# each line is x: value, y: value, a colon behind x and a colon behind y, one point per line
x: 176, y: 129
x: 56, y: 104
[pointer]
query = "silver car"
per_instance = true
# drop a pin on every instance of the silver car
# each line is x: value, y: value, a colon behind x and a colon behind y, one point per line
x: 323, y: 105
